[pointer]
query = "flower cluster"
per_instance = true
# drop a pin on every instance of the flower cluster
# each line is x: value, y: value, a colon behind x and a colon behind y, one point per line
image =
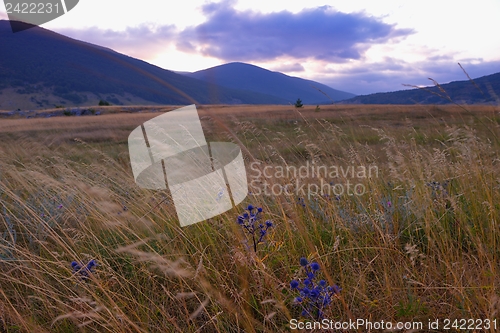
x: 314, y: 296
x: 439, y: 190
x: 249, y: 222
x: 83, y: 271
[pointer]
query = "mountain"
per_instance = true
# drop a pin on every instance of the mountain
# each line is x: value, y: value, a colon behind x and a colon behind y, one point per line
x: 255, y: 79
x: 458, y: 91
x: 40, y: 68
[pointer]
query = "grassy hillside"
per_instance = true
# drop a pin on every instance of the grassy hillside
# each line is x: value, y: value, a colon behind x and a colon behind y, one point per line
x: 252, y: 78
x: 418, y: 241
x: 45, y: 68
x: 483, y: 90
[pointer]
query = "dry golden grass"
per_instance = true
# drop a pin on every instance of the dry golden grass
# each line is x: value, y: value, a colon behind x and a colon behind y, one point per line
x: 67, y: 193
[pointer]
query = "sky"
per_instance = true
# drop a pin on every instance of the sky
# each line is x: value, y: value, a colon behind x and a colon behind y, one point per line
x: 358, y: 46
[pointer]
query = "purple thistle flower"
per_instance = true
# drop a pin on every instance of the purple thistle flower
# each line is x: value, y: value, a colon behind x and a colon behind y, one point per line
x: 336, y: 289
x: 75, y: 266
x: 91, y: 264
x: 248, y: 221
x: 314, y: 296
x: 83, y: 272
x: 303, y: 262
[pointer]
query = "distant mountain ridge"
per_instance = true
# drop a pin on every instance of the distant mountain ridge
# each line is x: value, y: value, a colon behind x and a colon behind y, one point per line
x: 252, y: 78
x: 40, y: 68
x: 483, y: 90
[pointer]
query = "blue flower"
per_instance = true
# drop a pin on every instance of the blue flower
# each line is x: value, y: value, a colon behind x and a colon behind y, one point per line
x: 303, y: 262
x: 335, y: 289
x: 83, y: 272
x: 91, y: 264
x: 248, y: 221
x: 75, y: 266
x: 314, y: 296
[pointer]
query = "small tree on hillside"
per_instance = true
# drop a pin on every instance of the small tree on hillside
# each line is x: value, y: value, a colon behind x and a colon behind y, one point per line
x: 298, y: 103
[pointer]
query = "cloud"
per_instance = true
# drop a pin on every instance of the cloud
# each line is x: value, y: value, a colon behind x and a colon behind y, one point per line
x: 388, y: 64
x: 143, y: 41
x: 286, y: 67
x: 440, y: 57
x: 3, y: 15
x: 320, y: 33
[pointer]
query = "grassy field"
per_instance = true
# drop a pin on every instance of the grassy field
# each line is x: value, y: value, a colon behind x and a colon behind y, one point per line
x: 418, y: 240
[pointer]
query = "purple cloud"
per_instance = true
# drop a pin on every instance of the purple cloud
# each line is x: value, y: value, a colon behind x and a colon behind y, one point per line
x: 321, y: 33
x: 141, y: 41
x: 296, y: 67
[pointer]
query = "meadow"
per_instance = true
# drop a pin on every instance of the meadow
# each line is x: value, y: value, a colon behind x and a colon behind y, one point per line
x: 418, y: 240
